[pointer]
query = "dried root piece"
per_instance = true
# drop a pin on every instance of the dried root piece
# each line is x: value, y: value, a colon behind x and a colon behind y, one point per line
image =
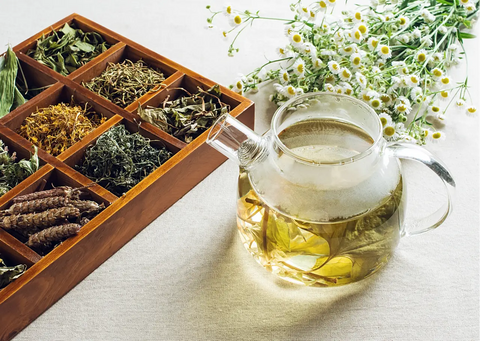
x: 89, y: 206
x: 52, y: 236
x: 62, y: 191
x: 37, y: 205
x: 33, y: 222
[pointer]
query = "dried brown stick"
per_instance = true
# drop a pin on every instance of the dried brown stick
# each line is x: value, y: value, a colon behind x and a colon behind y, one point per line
x: 53, y: 235
x: 37, y: 205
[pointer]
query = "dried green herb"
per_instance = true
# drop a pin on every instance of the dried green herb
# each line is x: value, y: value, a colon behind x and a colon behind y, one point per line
x: 188, y: 116
x: 119, y: 160
x: 9, y: 273
x: 124, y: 83
x: 12, y: 172
x: 68, y: 49
x: 10, y: 97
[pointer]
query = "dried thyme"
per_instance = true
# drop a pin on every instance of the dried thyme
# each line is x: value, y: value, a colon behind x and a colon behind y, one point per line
x: 9, y: 273
x: 68, y: 49
x: 119, y: 160
x: 56, y: 128
x: 13, y: 172
x: 124, y: 83
x: 188, y: 116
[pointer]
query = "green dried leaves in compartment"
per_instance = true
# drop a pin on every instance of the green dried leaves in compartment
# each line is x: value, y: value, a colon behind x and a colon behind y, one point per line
x: 68, y: 49
x: 124, y: 83
x: 10, y: 273
x: 119, y: 160
x: 188, y: 116
x: 13, y: 172
x: 10, y: 96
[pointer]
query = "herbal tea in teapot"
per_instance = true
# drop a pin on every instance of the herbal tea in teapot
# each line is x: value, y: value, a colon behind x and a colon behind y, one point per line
x: 321, y: 197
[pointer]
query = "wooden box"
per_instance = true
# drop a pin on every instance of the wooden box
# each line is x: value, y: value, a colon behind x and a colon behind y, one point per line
x: 50, y: 277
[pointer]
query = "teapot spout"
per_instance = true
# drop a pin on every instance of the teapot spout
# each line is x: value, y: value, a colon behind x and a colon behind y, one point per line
x: 238, y: 142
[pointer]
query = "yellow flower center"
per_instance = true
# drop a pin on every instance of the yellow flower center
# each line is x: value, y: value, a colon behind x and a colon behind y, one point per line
x: 437, y: 72
x: 385, y: 50
x: 472, y: 110
x: 300, y: 68
x: 335, y: 66
x: 358, y: 15
x: 375, y: 103
x: 332, y: 1
x: 348, y: 91
x: 402, y: 108
x: 414, y: 79
x: 436, y: 135
x: 239, y: 85
x: 282, y: 51
x: 374, y: 42
x: 445, y: 80
x: 384, y: 121
x: 425, y: 133
x: 238, y: 20
x: 421, y: 57
x: 346, y: 74
x: 229, y: 9
x: 366, y: 97
x: 339, y: 90
x: 385, y: 98
x: 444, y: 94
x: 348, y: 49
x: 305, y: 9
x: 357, y: 35
x: 224, y: 34
x: 362, y: 28
x: 330, y: 79
x: 297, y: 38
x: 435, y: 109
x: 322, y: 4
x: 389, y: 131
x: 285, y: 77
x: 312, y: 14
x: 403, y: 21
x: 356, y: 61
x: 291, y: 90
x: 464, y: 1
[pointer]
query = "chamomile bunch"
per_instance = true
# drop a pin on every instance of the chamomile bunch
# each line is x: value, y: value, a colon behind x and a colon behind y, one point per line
x: 395, y: 56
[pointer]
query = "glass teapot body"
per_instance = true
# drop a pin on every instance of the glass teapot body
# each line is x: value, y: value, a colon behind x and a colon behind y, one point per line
x: 320, y: 195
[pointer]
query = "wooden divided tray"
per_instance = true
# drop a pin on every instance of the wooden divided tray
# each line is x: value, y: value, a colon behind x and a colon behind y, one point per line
x: 50, y: 277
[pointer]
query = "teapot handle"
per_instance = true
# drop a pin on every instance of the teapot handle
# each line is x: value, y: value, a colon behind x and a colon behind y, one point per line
x: 417, y: 153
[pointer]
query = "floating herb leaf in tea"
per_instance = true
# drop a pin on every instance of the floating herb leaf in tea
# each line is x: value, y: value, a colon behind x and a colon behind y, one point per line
x: 13, y: 172
x: 119, y: 160
x: 188, y: 116
x: 68, y: 49
x: 9, y: 273
x: 56, y: 128
x: 124, y: 83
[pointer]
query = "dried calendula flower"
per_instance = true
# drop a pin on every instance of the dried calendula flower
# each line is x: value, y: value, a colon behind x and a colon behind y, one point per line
x: 124, y: 83
x: 56, y: 128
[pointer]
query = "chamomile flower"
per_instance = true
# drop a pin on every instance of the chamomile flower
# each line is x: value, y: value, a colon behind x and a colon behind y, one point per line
x: 421, y: 56
x: 444, y: 95
x: 386, y: 99
x: 238, y: 85
x: 227, y: 10
x: 348, y: 50
x: 404, y: 38
x: 434, y: 110
x: 437, y: 73
x: 322, y: 5
x: 464, y: 2
x: 442, y: 29
x: 376, y: 103
x: 347, y: 88
x: 296, y: 40
x: 361, y: 80
x: 289, y: 30
x: 357, y: 16
x: 416, y: 92
x: 372, y: 43
x: 471, y: 110
x: 389, y: 131
x: 426, y: 133
x: 331, y: 2
x: 345, y: 74
x: 403, y: 22
x: 437, y: 136
x: 303, y: 11
x: 365, y: 96
x: 384, y: 51
x: 339, y: 89
x: 445, y: 80
x: 328, y: 87
x: 339, y: 36
x: 334, y: 67
x: 460, y: 103
x: 363, y: 28
x: 288, y: 91
x: 412, y: 80
x: 310, y: 49
x: 403, y: 108
x: 299, y: 68
x: 356, y: 60
x: 235, y: 20
x: 284, y: 76
x: 385, y: 119
x: 356, y: 36
x: 281, y: 52
x: 417, y: 34
x: 317, y: 64
x: 426, y: 41
x: 470, y: 8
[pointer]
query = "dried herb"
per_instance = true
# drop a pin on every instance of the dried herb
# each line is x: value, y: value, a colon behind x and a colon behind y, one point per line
x: 10, y: 96
x: 49, y: 237
x: 37, y: 205
x: 65, y: 191
x: 119, y: 159
x: 56, y: 128
x: 188, y: 116
x: 12, y: 172
x: 68, y: 49
x: 124, y: 83
x: 10, y: 273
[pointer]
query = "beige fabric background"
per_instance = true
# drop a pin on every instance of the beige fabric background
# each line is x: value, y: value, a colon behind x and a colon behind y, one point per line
x: 187, y: 276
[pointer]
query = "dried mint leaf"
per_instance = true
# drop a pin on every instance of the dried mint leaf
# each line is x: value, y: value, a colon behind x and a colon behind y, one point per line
x: 10, y: 273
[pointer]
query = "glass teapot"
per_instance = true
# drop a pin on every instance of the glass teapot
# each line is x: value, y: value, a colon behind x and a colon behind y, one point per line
x: 321, y: 200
